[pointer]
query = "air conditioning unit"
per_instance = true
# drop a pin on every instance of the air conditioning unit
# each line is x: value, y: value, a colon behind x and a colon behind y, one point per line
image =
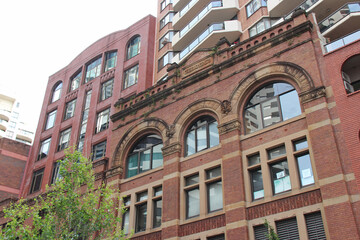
x: 349, y: 88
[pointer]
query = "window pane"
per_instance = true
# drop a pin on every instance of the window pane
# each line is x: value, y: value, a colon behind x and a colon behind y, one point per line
x: 141, y: 213
x: 305, y: 170
x: 145, y: 160
x: 158, y: 191
x: 141, y: 196
x: 253, y: 121
x: 50, y: 120
x: 215, y: 196
x: 106, y: 89
x: 276, y: 152
x: 190, y: 143
x: 56, y: 93
x: 157, y: 156
x: 201, y: 138
x: 193, y: 203
x: 290, y: 105
x: 254, y: 159
x: 126, y: 221
x: 214, y: 134
x: 300, y: 144
x: 132, y: 166
x: 281, y: 178
x: 270, y: 111
x: 213, y: 173
x: 192, y: 180
x: 157, y: 213
x: 257, y: 184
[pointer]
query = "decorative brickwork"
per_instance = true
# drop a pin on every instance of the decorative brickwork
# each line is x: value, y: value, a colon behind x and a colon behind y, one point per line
x: 202, y: 225
x: 283, y: 205
x: 150, y: 236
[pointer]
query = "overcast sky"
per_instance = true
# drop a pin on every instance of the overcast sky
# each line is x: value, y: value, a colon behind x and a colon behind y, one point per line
x: 40, y: 37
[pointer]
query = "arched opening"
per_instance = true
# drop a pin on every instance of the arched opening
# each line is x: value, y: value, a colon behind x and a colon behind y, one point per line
x: 350, y: 73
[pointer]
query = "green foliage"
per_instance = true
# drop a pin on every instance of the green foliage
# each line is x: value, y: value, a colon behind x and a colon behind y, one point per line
x: 72, y: 208
x: 271, y: 234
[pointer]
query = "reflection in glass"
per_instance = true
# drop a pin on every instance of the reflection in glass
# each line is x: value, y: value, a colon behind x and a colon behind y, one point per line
x: 193, y: 203
x: 305, y: 170
x: 281, y: 177
x: 215, y: 196
x: 257, y: 184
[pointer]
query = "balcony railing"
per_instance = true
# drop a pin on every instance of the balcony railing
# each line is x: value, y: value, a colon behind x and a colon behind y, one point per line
x: 187, y: 7
x: 201, y: 37
x: 213, y: 4
x: 304, y: 5
x: 338, y: 15
x: 342, y: 41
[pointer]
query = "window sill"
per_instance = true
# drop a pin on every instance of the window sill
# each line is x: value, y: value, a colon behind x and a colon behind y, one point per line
x: 353, y: 93
x: 125, y: 180
x: 202, y: 217
x: 183, y: 159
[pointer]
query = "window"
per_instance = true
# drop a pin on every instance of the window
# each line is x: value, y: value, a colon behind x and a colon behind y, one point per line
x: 133, y: 47
x: 167, y: 38
x: 165, y: 60
x: 75, y: 81
x: 50, y: 120
x: 83, y: 126
x: 196, y: 183
x: 315, y: 226
x: 167, y: 19
x: 110, y: 60
x: 44, y: 149
x: 287, y: 229
x: 99, y: 150
x: 350, y: 73
x: 70, y: 109
x: 260, y: 232
x: 304, y: 163
x: 36, y: 180
x: 262, y: 25
x: 126, y: 215
x: 131, y: 76
x: 202, y: 134
x: 141, y: 211
x: 64, y: 139
x: 254, y: 5
x: 164, y: 3
x: 102, y: 122
x: 280, y: 177
x: 257, y: 186
x: 55, y: 174
x: 217, y: 237
x: 56, y: 92
x: 106, y: 89
x: 93, y: 69
x: 273, y: 103
x: 145, y: 155
x: 157, y: 203
x: 214, y: 189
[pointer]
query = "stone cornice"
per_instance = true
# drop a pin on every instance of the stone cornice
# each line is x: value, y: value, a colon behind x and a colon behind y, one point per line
x: 312, y: 94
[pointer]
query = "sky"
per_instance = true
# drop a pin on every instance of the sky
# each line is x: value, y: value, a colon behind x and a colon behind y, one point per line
x: 40, y: 37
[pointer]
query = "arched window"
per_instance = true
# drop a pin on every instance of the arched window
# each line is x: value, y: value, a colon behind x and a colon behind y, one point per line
x: 133, y: 47
x: 146, y: 154
x: 350, y: 72
x: 273, y: 103
x: 57, y: 92
x: 202, y: 134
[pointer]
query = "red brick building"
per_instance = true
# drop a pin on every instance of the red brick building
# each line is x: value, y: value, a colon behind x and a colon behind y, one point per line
x: 241, y: 117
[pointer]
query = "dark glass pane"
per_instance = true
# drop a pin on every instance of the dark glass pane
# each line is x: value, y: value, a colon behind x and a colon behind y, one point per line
x: 157, y: 213
x: 192, y: 180
x: 141, y: 213
x: 271, y: 112
x: 141, y: 196
x: 126, y: 221
x: 158, y: 191
x: 213, y: 173
x: 146, y: 142
x: 215, y: 196
x: 257, y: 184
x: 276, y: 152
x: 254, y: 159
x: 253, y: 120
x: 305, y: 170
x: 132, y: 166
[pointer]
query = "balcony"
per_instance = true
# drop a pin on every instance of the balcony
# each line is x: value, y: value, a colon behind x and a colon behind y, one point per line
x: 210, y: 36
x: 280, y: 8
x: 342, y: 22
x: 3, y: 125
x: 352, y: 37
x: 200, y: 11
x: 214, y: 12
x: 178, y: 5
x: 4, y: 114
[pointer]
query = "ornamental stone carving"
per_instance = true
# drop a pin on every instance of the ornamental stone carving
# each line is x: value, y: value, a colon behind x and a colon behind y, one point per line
x: 170, y: 149
x: 312, y: 94
x: 171, y: 131
x: 117, y: 170
x: 229, y: 126
x: 226, y: 107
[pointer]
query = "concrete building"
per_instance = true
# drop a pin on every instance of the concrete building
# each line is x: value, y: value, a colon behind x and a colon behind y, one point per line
x: 233, y: 112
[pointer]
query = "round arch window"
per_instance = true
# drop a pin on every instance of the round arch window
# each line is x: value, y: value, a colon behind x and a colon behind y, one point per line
x: 202, y: 134
x: 133, y: 48
x: 146, y: 154
x: 276, y: 102
x: 56, y: 92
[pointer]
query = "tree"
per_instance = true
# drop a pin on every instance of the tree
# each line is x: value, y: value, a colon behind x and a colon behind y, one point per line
x: 72, y: 208
x: 271, y: 234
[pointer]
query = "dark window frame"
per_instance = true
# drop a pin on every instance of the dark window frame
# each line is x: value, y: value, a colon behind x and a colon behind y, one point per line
x: 71, y: 103
x: 127, y: 74
x: 97, y: 67
x: 108, y: 58
x: 38, y: 173
x: 76, y: 77
x: 131, y: 46
x: 101, y: 146
x: 99, y: 125
x: 42, y: 143
x: 104, y: 86
x: 57, y: 89
x: 63, y: 145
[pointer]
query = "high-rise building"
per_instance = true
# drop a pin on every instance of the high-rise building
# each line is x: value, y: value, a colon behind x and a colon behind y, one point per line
x: 232, y: 113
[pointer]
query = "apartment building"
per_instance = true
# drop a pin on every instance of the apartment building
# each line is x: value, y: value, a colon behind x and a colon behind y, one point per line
x: 232, y: 113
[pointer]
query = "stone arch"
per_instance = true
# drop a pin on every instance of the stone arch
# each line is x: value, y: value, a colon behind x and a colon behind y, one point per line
x: 148, y: 125
x: 290, y: 71
x: 190, y: 112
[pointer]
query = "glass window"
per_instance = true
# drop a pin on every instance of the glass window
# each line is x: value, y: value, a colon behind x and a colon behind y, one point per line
x: 145, y: 155
x: 50, y: 121
x: 75, y: 81
x: 64, y: 139
x: 157, y: 203
x: 131, y: 76
x: 167, y: 38
x: 102, y: 122
x: 141, y: 212
x: 280, y: 176
x: 214, y: 190
x: 110, y: 60
x: 44, y: 148
x: 164, y: 3
x: 70, y: 109
x: 99, y: 150
x: 56, y: 92
x: 273, y: 103
x: 202, y: 134
x: 305, y: 170
x: 257, y: 186
x: 192, y: 196
x: 262, y: 25
x: 276, y: 152
x: 36, y: 180
x: 126, y: 215
x: 106, y: 89
x: 165, y: 60
x: 84, y: 121
x: 300, y: 144
x: 167, y: 19
x: 133, y: 48
x: 254, y: 5
x: 56, y: 174
x: 93, y: 69
x: 254, y: 159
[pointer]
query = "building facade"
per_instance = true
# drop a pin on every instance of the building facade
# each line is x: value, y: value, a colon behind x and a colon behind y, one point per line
x: 233, y: 113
